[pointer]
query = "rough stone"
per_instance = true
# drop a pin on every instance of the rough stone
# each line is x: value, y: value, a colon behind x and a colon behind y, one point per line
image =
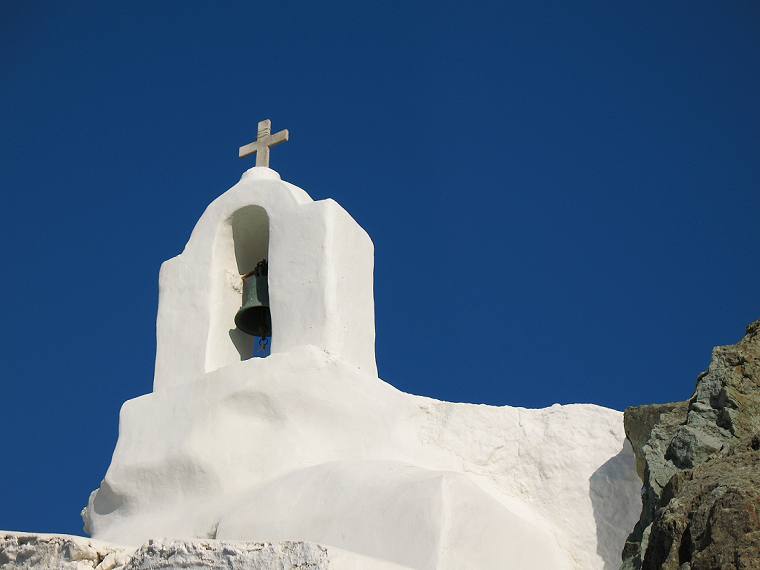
x: 700, y: 465
x: 23, y: 551
x: 208, y: 554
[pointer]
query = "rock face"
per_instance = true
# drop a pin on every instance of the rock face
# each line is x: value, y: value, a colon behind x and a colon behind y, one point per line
x: 22, y: 551
x: 700, y: 463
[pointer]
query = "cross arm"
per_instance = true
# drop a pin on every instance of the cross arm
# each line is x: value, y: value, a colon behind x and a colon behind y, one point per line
x: 278, y: 138
x: 268, y: 141
x: 247, y: 149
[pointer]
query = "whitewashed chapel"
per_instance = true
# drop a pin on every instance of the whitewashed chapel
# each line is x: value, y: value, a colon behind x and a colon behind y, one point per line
x: 308, y: 444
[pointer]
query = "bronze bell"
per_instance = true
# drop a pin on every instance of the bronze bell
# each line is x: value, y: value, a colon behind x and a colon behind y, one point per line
x: 254, y: 317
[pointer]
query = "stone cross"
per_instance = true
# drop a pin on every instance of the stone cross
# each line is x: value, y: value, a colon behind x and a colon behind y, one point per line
x: 264, y: 140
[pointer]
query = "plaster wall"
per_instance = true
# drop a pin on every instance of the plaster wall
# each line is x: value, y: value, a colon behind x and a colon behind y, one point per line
x: 303, y: 446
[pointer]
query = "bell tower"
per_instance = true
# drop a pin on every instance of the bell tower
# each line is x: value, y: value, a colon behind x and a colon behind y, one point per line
x: 267, y: 264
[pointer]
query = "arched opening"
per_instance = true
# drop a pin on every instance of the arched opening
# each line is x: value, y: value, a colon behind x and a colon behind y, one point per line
x: 241, y: 244
x: 250, y: 236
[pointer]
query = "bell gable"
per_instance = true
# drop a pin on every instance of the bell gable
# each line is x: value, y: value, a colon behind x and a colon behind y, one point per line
x: 320, y: 273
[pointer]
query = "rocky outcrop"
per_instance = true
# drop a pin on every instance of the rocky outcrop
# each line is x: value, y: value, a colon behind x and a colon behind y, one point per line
x: 23, y: 551
x: 228, y: 555
x: 700, y: 464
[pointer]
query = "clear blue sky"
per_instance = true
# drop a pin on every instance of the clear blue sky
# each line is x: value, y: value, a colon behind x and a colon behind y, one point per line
x: 563, y: 197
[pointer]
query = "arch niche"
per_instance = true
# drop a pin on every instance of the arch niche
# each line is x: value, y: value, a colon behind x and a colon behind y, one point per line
x: 241, y: 242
